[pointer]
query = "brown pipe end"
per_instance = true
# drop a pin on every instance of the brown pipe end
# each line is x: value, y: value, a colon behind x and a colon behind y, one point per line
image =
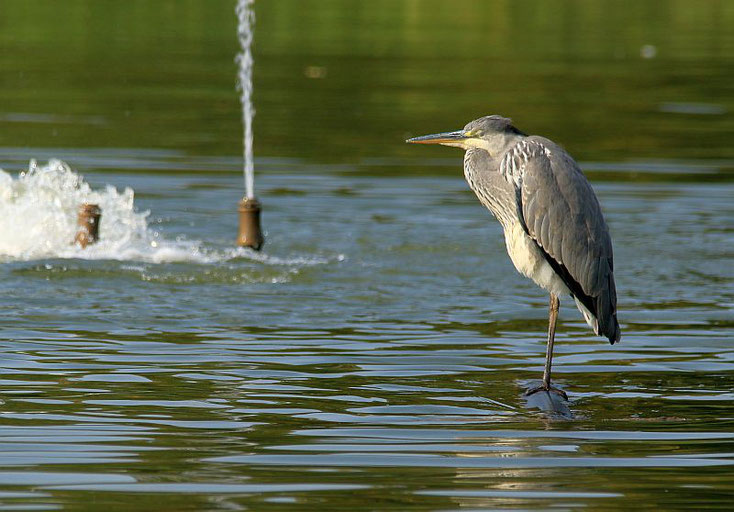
x: 250, y: 234
x: 88, y: 222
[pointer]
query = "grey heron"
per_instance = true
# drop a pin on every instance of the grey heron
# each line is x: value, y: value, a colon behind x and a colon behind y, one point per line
x: 554, y: 229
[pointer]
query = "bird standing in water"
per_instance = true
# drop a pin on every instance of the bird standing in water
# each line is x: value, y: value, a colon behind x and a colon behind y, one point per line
x: 555, y: 232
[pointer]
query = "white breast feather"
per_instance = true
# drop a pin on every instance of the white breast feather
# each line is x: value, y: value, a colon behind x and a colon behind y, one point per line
x: 529, y: 261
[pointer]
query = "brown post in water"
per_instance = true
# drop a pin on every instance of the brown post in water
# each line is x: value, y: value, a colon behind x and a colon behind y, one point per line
x: 250, y: 234
x: 88, y: 222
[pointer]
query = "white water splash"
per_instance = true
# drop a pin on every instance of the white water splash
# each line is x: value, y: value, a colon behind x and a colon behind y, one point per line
x: 38, y: 220
x: 246, y: 20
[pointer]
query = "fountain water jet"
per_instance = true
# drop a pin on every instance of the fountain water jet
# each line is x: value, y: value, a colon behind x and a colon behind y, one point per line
x: 250, y: 232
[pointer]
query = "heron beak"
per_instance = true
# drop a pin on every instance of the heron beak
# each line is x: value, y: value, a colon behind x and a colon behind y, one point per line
x: 456, y: 138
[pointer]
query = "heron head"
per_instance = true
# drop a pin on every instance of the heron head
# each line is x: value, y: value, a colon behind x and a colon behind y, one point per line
x: 490, y: 133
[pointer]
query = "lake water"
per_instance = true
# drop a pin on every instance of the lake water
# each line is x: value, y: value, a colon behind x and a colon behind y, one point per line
x: 375, y: 354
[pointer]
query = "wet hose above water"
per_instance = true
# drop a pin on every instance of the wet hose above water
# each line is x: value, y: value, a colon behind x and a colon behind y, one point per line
x: 88, y: 222
x: 250, y: 232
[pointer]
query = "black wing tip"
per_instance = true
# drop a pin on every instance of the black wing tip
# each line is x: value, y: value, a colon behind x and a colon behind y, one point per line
x: 599, y: 305
x: 616, y: 334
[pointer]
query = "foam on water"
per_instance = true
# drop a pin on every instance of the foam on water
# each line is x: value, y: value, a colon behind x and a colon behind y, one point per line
x: 38, y: 215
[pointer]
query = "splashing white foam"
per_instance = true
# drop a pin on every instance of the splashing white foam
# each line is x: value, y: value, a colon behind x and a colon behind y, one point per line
x: 38, y: 215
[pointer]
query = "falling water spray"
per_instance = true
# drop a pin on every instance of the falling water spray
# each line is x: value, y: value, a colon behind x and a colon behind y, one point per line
x: 250, y: 232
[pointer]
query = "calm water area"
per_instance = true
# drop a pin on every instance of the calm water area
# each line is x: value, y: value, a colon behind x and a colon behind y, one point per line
x: 374, y: 355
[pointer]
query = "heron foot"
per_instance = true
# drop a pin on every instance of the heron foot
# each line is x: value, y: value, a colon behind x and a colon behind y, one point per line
x: 549, y: 389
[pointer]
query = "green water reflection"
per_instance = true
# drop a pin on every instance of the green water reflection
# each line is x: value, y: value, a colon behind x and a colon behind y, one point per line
x: 344, y: 80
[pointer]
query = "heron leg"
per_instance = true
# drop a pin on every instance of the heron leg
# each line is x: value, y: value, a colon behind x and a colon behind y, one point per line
x: 553, y: 307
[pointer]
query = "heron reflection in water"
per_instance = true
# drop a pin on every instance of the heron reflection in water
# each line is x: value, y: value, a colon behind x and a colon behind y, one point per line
x: 554, y: 229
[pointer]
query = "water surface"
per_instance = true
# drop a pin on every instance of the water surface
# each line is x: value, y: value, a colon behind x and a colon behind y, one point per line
x: 374, y: 355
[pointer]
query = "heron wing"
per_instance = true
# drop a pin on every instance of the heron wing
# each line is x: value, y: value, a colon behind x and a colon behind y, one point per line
x: 562, y: 215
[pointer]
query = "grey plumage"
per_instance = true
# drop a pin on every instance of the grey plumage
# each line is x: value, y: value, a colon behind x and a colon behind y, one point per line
x: 554, y: 228
x: 536, y: 182
x: 562, y: 214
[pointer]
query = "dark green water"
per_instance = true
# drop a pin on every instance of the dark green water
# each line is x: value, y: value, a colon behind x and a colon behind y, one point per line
x: 375, y: 355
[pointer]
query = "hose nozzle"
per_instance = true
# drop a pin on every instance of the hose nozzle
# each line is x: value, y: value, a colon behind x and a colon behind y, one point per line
x: 88, y: 222
x: 250, y: 234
